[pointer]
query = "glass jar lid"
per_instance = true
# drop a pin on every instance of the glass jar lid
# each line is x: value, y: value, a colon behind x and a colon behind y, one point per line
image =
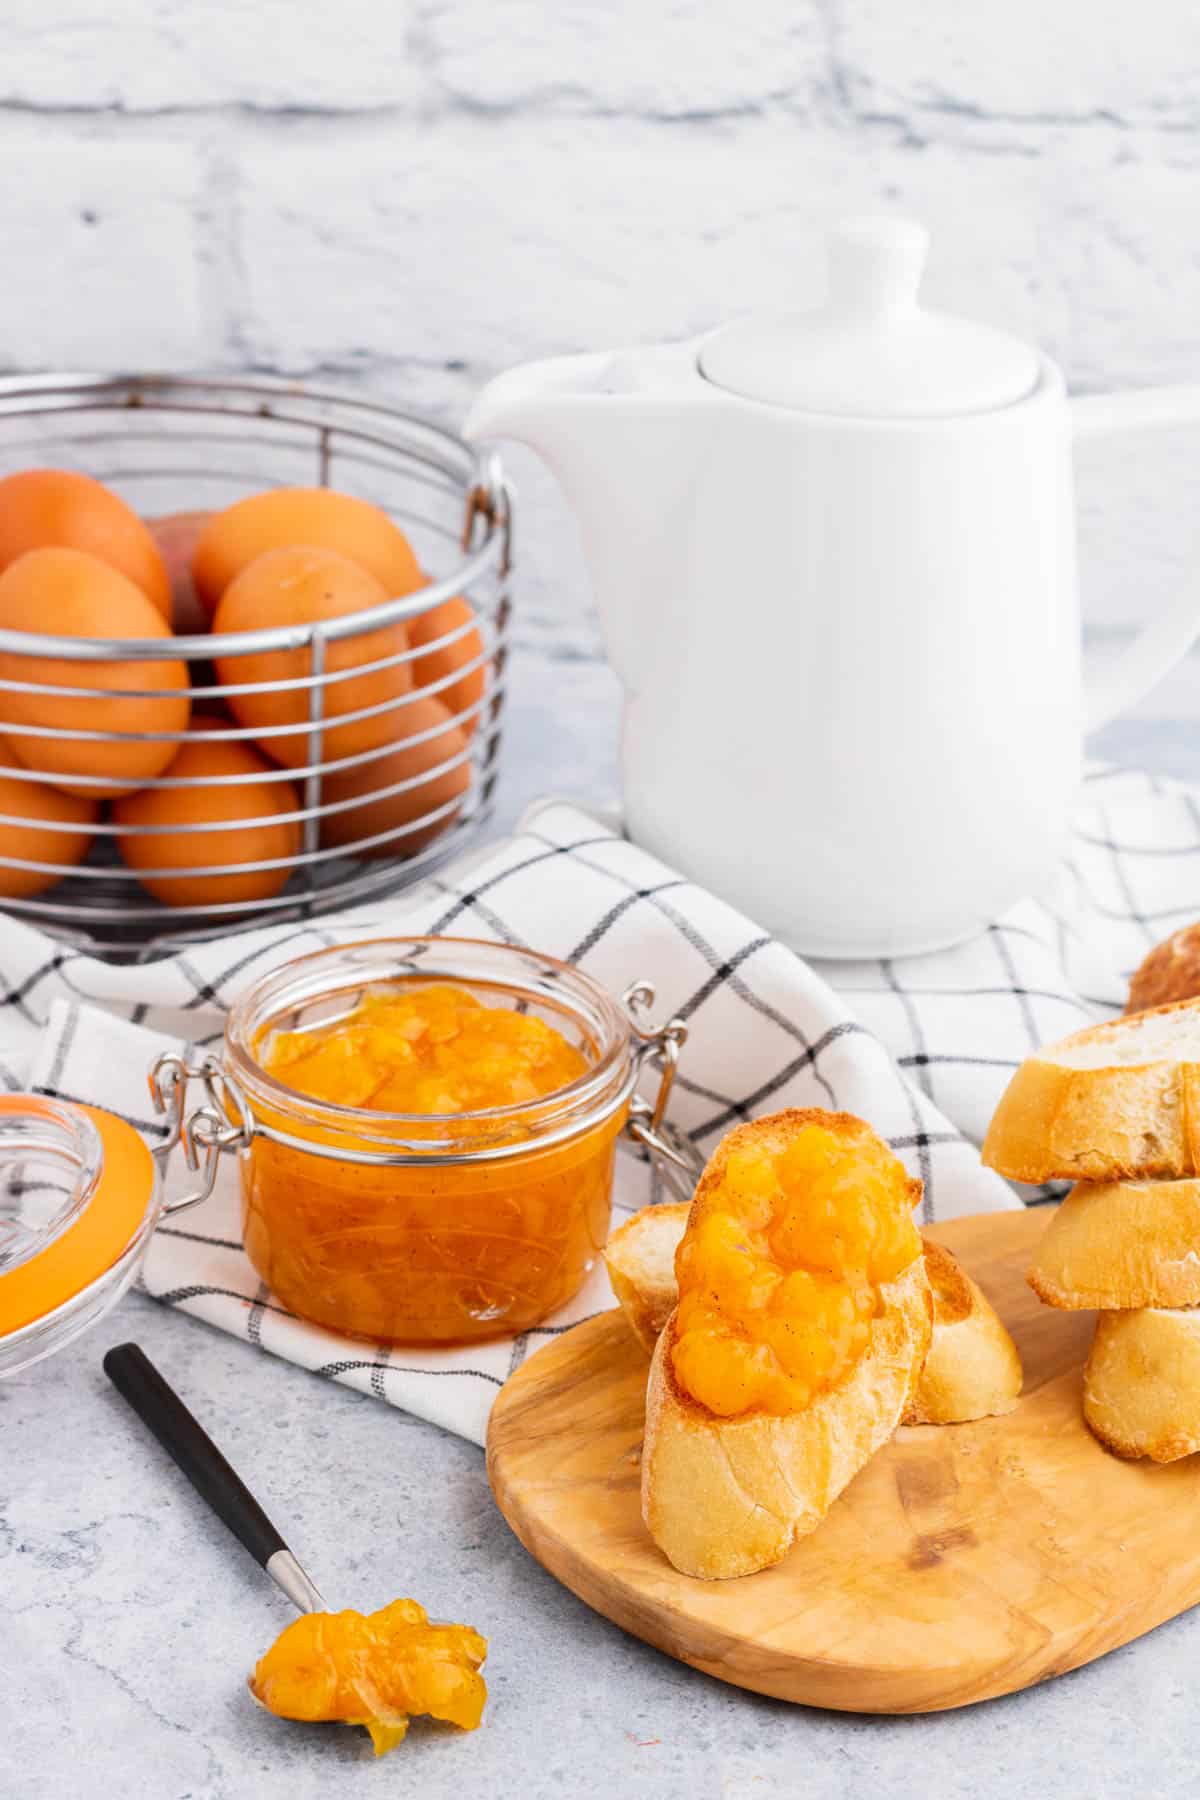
x: 75, y: 1185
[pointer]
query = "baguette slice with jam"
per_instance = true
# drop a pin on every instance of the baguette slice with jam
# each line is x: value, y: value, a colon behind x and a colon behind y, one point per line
x: 972, y: 1371
x: 726, y: 1491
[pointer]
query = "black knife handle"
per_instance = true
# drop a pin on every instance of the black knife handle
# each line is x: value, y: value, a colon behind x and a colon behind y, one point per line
x: 158, y: 1405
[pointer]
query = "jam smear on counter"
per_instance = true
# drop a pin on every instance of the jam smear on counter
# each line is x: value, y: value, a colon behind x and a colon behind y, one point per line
x: 375, y: 1670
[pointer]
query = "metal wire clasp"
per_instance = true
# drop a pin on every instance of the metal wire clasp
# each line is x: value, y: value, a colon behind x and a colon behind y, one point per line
x: 490, y: 498
x: 222, y: 1122
x: 676, y: 1157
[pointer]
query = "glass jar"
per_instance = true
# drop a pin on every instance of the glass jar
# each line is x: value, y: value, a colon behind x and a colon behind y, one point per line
x: 79, y: 1197
x: 419, y: 1228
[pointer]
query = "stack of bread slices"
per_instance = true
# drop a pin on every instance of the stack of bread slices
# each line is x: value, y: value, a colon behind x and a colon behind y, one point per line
x: 1116, y: 1109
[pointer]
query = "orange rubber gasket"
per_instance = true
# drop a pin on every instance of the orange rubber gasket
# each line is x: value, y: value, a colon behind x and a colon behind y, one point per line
x: 90, y: 1246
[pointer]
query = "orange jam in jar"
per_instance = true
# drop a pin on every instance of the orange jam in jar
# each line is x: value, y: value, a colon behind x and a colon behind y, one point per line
x: 428, y: 1048
x: 431, y: 1131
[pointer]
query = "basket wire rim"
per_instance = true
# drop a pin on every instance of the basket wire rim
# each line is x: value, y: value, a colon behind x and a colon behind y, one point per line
x: 279, y: 423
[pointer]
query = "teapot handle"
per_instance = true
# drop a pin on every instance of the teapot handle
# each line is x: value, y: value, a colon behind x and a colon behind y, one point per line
x: 1114, y: 682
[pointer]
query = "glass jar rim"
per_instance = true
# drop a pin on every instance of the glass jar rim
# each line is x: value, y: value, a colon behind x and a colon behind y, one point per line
x: 122, y: 1180
x: 24, y: 1118
x: 565, y: 1112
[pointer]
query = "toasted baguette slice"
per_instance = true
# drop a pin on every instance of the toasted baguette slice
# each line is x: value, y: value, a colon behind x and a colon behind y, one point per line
x: 1171, y: 971
x: 726, y: 1497
x: 1122, y: 1244
x: 640, y: 1258
x: 1117, y: 1102
x: 1141, y: 1385
x: 972, y: 1369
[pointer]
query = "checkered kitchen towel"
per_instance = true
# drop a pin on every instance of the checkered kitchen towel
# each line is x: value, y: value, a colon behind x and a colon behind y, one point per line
x: 921, y: 1047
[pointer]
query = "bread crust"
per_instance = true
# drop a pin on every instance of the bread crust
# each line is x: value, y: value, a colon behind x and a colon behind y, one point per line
x: 1170, y: 972
x: 1141, y: 1383
x: 1124, y: 1121
x: 640, y: 1259
x: 1121, y: 1245
x: 973, y: 1370
x: 727, y: 1497
x: 723, y: 1497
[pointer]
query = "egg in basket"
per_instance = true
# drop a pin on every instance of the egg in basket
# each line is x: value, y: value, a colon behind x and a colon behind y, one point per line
x: 252, y: 645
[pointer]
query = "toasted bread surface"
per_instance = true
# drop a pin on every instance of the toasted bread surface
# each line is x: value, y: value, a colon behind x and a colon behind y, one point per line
x: 1170, y: 972
x: 1141, y: 1384
x: 725, y: 1496
x: 1121, y: 1245
x: 640, y: 1258
x: 1118, y: 1101
x: 972, y: 1370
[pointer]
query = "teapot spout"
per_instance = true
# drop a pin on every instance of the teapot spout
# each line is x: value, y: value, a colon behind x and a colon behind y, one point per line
x: 618, y: 431
x: 526, y: 404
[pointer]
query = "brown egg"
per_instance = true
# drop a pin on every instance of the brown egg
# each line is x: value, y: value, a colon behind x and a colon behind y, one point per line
x: 393, y: 812
x: 204, y: 760
x: 56, y: 508
x: 448, y: 658
x: 283, y: 517
x: 66, y: 593
x: 68, y: 840
x: 302, y: 586
x: 176, y: 535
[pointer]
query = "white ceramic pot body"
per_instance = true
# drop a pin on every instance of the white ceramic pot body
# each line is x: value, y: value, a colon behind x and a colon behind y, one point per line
x: 850, y: 647
x: 858, y: 717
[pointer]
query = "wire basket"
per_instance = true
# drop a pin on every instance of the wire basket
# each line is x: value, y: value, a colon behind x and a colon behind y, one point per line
x: 168, y: 444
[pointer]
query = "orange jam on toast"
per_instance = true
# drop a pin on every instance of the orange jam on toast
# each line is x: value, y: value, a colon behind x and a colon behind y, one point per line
x: 781, y: 1265
x: 374, y: 1669
x: 484, y: 1235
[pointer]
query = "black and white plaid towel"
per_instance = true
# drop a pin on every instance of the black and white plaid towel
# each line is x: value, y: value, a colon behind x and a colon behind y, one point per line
x: 920, y: 1047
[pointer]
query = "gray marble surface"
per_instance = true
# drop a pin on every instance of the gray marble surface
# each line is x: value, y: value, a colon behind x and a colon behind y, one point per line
x: 130, y: 1617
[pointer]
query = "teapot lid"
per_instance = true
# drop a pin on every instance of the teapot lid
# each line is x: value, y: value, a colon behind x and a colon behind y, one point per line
x: 872, y: 351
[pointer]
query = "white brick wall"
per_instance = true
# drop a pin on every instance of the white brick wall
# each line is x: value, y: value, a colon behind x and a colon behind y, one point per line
x: 411, y: 194
x: 100, y: 262
x: 663, y: 59
x: 168, y: 56
x: 1023, y: 60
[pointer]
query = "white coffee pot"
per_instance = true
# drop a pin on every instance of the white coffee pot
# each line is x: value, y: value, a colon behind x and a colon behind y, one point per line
x: 834, y: 555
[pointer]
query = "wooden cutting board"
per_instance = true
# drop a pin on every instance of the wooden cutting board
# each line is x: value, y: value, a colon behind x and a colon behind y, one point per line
x: 965, y: 1561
